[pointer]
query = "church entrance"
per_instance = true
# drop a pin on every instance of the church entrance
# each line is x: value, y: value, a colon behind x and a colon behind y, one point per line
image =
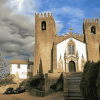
x: 72, y: 66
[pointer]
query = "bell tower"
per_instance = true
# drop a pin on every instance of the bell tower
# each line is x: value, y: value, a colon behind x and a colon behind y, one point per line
x: 45, y: 32
x: 91, y: 33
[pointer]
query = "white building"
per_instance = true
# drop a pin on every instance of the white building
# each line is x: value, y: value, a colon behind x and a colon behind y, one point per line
x: 21, y: 69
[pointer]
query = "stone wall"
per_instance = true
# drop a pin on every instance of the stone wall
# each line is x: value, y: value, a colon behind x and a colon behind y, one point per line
x: 50, y: 79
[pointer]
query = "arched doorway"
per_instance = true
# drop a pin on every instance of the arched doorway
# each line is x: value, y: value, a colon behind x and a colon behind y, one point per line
x: 72, y: 66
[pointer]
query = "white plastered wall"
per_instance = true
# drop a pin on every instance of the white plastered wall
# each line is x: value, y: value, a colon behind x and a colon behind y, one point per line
x: 23, y: 71
x: 80, y: 46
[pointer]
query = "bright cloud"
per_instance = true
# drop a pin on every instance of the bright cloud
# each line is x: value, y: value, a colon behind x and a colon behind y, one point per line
x: 18, y: 4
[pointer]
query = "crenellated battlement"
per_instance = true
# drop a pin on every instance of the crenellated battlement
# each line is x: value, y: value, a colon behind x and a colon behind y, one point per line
x: 91, y: 20
x: 62, y: 38
x: 41, y: 15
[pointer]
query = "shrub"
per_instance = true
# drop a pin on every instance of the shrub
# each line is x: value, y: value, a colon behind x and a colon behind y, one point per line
x: 35, y: 82
x: 88, y: 81
x: 98, y: 84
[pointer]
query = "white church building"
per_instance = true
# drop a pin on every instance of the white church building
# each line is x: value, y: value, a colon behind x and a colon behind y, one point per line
x: 71, y: 52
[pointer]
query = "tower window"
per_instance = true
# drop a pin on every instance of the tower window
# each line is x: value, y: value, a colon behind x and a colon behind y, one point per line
x: 43, y: 26
x: 93, y: 30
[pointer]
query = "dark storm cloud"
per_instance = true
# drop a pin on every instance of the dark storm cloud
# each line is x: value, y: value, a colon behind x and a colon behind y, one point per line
x: 16, y: 33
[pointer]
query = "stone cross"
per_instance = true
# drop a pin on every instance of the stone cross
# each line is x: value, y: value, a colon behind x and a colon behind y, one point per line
x: 70, y: 29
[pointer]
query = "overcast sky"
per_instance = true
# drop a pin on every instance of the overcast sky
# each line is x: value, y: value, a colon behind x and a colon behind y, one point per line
x: 17, y: 23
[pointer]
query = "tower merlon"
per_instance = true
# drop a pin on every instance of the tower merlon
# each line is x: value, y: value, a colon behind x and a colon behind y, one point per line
x: 51, y: 14
x: 79, y: 35
x: 41, y: 16
x: 86, y: 20
x: 92, y: 20
x: 36, y: 15
x: 89, y: 20
x: 95, y: 20
x: 44, y: 14
x: 48, y: 14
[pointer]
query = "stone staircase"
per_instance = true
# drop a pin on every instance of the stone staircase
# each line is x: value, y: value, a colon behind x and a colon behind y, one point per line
x: 73, y: 80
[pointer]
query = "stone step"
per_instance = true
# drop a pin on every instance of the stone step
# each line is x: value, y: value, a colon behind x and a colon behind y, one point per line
x: 73, y: 73
x: 74, y: 78
x: 70, y: 81
x: 73, y: 98
x: 74, y: 95
x: 74, y: 90
x: 73, y: 86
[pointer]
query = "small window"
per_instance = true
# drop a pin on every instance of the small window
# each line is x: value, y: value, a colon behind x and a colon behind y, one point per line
x: 18, y: 66
x: 28, y: 67
x: 43, y: 25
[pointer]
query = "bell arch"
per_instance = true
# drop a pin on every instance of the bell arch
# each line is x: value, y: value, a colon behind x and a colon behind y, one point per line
x: 43, y: 25
x: 93, y: 30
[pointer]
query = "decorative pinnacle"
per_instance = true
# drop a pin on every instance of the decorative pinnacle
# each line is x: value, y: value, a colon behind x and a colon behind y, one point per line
x: 70, y: 29
x: 92, y: 20
x: 48, y: 14
x: 86, y: 20
x: 82, y: 56
x: 41, y: 15
x: 60, y: 56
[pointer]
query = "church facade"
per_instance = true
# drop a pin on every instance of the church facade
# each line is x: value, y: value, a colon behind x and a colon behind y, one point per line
x: 64, y: 53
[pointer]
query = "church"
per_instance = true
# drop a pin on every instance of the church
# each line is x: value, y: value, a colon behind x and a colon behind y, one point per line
x: 64, y: 53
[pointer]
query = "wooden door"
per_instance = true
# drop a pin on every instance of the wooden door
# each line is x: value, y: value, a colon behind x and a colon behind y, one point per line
x: 72, y: 66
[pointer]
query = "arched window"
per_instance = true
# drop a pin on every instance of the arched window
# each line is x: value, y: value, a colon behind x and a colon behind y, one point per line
x: 71, y: 49
x: 93, y: 30
x: 43, y: 25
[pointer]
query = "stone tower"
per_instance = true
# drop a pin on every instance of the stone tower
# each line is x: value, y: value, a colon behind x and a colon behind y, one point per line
x: 45, y: 32
x: 92, y: 38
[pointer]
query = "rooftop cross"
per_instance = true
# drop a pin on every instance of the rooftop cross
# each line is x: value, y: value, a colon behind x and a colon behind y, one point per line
x: 70, y: 29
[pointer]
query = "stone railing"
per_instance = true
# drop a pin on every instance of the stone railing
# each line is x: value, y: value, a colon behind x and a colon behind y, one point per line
x: 65, y: 85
